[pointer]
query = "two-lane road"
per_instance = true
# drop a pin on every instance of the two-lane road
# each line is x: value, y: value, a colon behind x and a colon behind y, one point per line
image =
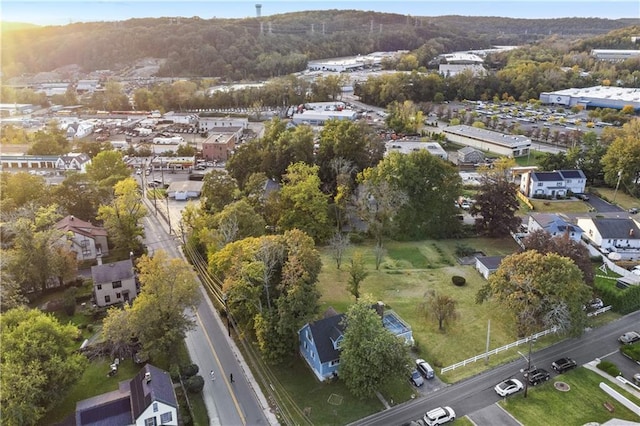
x: 477, y: 392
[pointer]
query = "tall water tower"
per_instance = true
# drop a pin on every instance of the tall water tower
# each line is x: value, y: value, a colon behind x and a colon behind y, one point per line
x: 258, y: 10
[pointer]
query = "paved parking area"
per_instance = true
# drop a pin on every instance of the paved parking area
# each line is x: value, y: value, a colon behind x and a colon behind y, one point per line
x: 493, y: 415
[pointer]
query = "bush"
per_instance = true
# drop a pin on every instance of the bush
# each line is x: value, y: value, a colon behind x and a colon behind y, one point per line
x: 609, y: 368
x: 69, y: 300
x: 189, y: 370
x: 90, y: 328
x: 464, y: 250
x: 458, y: 280
x: 194, y: 384
x: 356, y: 238
x: 174, y: 372
x: 631, y: 351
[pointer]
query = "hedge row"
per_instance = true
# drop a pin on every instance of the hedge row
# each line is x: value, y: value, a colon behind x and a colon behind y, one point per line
x: 621, y: 301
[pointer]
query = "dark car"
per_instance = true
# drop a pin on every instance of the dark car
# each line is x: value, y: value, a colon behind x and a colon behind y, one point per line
x: 633, y: 210
x: 563, y: 364
x: 583, y: 197
x: 538, y: 375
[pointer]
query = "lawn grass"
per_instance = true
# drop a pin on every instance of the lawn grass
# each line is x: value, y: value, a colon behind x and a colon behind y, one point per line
x: 622, y: 199
x: 563, y: 206
x: 583, y: 403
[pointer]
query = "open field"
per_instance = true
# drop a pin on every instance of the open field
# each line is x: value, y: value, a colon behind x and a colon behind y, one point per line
x: 583, y: 403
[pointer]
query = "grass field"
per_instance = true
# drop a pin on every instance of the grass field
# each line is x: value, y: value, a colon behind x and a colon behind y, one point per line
x: 583, y: 403
x: 564, y: 206
x: 623, y: 200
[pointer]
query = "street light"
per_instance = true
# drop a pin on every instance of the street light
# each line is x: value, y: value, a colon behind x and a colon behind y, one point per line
x: 226, y: 310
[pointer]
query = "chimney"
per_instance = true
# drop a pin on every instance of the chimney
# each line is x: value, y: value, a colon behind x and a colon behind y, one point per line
x: 631, y: 232
x: 71, y: 217
x: 147, y: 377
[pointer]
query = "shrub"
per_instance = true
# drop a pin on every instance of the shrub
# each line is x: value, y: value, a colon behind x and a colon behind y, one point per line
x: 174, y: 372
x: 356, y: 238
x: 189, y: 370
x: 463, y: 250
x: 90, y: 328
x: 631, y: 351
x: 69, y: 301
x: 458, y: 280
x: 194, y: 384
x: 609, y: 368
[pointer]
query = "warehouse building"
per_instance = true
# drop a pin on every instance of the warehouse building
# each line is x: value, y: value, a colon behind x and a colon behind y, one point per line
x: 318, y: 118
x: 594, y: 97
x: 487, y: 140
x: 614, y: 55
x: 407, y: 147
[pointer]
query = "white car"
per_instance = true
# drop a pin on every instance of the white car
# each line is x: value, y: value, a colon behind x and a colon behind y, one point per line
x: 629, y: 337
x: 439, y: 416
x: 508, y: 387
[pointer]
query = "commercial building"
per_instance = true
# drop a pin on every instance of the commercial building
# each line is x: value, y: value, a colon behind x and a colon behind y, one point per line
x: 318, y: 118
x: 594, y: 97
x: 487, y: 140
x: 406, y: 147
x: 614, y: 55
x: 219, y: 146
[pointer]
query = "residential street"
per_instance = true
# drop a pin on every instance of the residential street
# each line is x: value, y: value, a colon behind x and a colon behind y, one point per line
x: 237, y: 403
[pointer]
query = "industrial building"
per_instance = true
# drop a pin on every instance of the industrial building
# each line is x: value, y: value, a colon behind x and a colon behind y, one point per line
x: 487, y: 140
x: 352, y: 63
x: 594, y: 97
x: 614, y: 55
x: 318, y: 118
x: 406, y: 147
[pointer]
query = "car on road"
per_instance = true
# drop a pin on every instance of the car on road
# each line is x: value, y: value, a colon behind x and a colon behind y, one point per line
x: 508, y: 387
x: 563, y: 364
x: 439, y: 416
x: 416, y: 378
x: 424, y: 368
x: 537, y: 376
x: 629, y: 337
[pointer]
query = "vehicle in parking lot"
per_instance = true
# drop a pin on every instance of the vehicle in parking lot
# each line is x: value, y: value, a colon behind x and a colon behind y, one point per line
x: 416, y: 378
x: 439, y: 416
x: 563, y: 364
x: 508, y: 387
x: 537, y: 376
x: 424, y: 368
x: 629, y: 337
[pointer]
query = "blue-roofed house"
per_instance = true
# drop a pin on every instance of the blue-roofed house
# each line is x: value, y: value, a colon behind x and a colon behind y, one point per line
x: 554, y: 225
x: 147, y: 399
x: 552, y: 184
x: 320, y: 340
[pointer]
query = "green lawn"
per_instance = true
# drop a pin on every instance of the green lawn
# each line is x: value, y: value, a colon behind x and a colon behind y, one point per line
x: 563, y: 206
x: 582, y: 404
x: 622, y: 199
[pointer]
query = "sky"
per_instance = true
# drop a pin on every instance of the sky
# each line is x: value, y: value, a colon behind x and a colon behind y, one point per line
x: 54, y: 12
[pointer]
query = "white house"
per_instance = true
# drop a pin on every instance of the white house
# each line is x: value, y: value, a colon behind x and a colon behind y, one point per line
x: 613, y: 235
x: 487, y: 265
x: 554, y: 184
x: 73, y: 161
x: 147, y: 399
x: 86, y: 240
x: 84, y: 129
x: 114, y: 282
x: 554, y: 225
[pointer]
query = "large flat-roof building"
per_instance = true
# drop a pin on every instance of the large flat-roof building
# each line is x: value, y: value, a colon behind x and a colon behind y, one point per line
x: 614, y: 55
x: 318, y: 118
x: 487, y: 140
x: 407, y: 147
x: 594, y: 97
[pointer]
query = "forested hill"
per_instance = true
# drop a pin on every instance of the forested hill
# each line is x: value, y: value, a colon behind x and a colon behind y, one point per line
x: 253, y: 48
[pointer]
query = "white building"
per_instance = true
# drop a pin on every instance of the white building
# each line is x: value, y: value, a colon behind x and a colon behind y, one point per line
x: 487, y: 140
x: 614, y: 55
x: 594, y: 97
x: 206, y: 124
x: 73, y: 161
x: 318, y: 118
x: 552, y: 184
x: 554, y: 225
x: 613, y: 235
x: 407, y: 147
x: 114, y: 282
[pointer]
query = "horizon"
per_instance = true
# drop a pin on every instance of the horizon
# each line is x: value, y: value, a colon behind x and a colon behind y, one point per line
x: 53, y: 12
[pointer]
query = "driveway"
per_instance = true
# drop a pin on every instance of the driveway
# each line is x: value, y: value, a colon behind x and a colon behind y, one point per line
x: 602, y: 206
x: 493, y: 415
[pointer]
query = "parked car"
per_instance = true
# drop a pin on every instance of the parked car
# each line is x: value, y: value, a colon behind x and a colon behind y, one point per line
x: 416, y: 378
x: 563, y: 364
x: 583, y: 197
x: 595, y: 304
x: 439, y: 416
x: 629, y: 337
x: 425, y: 369
x: 508, y: 387
x: 633, y: 210
x: 538, y: 376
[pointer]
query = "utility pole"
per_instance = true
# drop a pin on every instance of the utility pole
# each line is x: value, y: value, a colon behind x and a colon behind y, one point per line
x: 226, y: 310
x: 528, y: 371
x: 615, y: 193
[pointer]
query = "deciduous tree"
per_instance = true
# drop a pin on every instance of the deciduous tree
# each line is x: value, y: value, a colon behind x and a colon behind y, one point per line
x: 623, y: 156
x: 107, y: 168
x: 370, y: 355
x: 39, y: 364
x: 441, y: 307
x: 357, y: 274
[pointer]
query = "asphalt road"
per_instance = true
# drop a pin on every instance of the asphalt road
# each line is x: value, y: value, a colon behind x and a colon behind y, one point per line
x: 240, y: 402
x: 476, y: 393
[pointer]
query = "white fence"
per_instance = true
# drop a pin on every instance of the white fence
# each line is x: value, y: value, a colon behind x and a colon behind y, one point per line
x: 599, y: 311
x: 498, y: 350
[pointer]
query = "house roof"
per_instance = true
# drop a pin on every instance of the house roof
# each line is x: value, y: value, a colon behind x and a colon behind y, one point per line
x: 468, y: 150
x: 110, y: 272
x: 546, y: 176
x: 78, y: 226
x: 490, y: 262
x: 617, y: 228
x: 572, y: 174
x: 553, y: 223
x: 158, y: 389
x: 323, y: 331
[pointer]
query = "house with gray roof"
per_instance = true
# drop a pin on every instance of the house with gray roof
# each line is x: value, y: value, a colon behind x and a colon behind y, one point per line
x: 114, y: 283
x: 470, y: 155
x: 613, y: 235
x: 555, y: 184
x: 487, y: 265
x: 147, y: 399
x: 554, y: 225
x: 320, y: 340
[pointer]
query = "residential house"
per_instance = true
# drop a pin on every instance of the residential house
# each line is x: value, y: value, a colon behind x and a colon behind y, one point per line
x: 86, y: 240
x: 320, y: 340
x: 554, y: 184
x: 114, y: 282
x: 487, y: 265
x: 147, y: 399
x: 613, y: 235
x: 73, y: 161
x: 554, y: 225
x: 470, y: 155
